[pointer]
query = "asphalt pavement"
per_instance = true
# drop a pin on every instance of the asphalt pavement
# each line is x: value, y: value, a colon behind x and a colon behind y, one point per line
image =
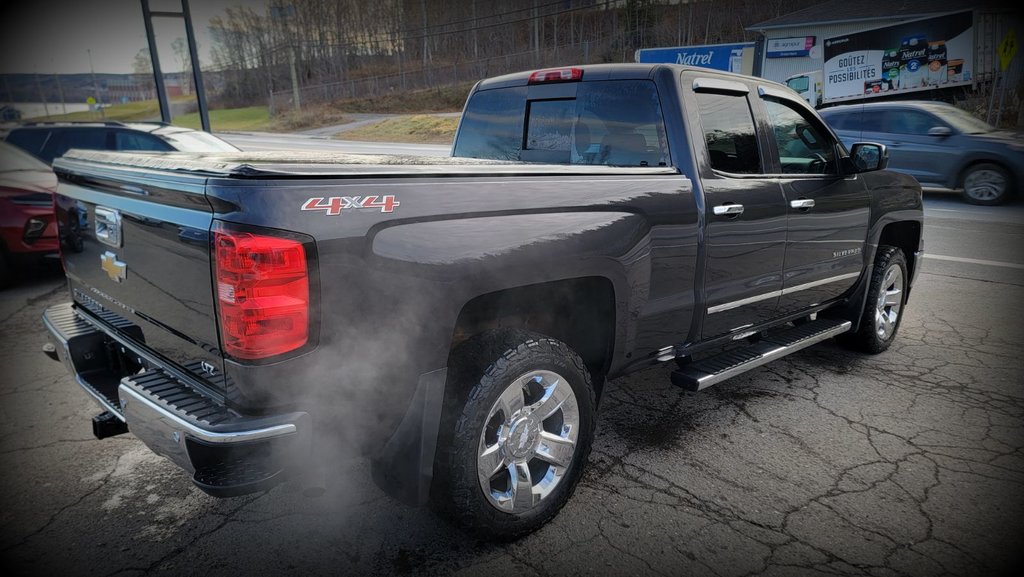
x: 827, y: 462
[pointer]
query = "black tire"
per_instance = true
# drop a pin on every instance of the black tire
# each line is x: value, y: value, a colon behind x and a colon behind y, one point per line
x: 480, y: 371
x: 986, y: 184
x: 6, y: 277
x: 868, y: 338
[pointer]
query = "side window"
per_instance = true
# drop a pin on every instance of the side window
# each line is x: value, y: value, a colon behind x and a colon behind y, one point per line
x: 804, y: 148
x: 137, y: 141
x: 849, y: 121
x: 729, y: 133
x: 873, y: 121
x: 30, y: 140
x: 80, y: 138
x: 909, y: 122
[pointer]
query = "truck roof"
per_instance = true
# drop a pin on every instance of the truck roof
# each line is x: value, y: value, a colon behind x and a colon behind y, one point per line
x: 336, y: 164
x: 621, y: 71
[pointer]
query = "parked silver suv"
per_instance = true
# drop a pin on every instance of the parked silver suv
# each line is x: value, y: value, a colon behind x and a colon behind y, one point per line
x: 943, y: 147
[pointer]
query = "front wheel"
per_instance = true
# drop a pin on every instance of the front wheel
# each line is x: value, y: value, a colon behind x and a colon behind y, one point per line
x: 517, y: 433
x: 883, y: 310
x: 986, y: 184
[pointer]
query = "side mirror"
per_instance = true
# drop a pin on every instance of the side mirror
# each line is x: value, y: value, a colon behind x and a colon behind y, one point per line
x: 940, y: 131
x: 868, y: 156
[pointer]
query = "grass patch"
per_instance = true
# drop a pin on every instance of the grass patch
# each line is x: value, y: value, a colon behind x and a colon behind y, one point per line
x: 309, y: 117
x: 141, y: 110
x: 417, y: 128
x: 440, y: 99
x: 248, y: 118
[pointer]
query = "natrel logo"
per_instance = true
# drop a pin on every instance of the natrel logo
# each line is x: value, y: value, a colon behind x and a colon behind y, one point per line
x: 695, y: 58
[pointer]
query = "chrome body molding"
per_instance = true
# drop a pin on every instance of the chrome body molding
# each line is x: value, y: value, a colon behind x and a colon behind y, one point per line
x: 778, y: 293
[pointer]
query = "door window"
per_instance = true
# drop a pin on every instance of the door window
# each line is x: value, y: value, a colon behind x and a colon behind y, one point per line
x: 804, y: 148
x: 729, y: 133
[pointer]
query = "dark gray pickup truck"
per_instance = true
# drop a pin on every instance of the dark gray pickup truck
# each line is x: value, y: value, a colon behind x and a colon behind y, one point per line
x: 250, y: 316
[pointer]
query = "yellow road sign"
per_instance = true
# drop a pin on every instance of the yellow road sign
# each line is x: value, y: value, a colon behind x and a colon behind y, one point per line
x: 1007, y: 49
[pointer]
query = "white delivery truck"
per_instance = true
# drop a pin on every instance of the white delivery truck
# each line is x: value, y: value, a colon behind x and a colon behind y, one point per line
x: 808, y: 86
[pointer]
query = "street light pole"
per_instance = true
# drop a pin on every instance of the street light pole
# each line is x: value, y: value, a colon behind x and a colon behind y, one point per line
x: 95, y: 87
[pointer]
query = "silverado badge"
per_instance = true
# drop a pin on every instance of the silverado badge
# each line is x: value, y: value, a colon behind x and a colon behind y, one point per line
x: 115, y: 269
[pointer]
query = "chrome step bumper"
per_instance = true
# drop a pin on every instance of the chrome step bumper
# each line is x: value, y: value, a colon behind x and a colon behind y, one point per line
x: 227, y: 453
x: 702, y: 374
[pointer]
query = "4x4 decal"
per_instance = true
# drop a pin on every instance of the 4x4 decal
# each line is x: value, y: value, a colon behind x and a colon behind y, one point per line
x: 335, y: 204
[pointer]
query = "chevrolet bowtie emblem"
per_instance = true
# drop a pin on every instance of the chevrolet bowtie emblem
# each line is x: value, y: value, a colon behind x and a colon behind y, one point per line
x: 115, y: 269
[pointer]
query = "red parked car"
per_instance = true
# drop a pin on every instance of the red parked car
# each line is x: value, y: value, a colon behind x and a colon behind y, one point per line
x: 27, y: 227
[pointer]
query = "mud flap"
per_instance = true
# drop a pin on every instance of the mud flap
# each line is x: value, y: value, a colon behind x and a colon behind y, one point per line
x: 405, y: 466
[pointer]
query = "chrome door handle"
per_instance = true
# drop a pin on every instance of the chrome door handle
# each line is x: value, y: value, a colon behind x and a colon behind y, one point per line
x: 802, y: 203
x: 728, y: 209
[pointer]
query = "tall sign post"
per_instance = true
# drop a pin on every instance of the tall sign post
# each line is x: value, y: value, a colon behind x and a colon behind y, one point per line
x: 193, y: 53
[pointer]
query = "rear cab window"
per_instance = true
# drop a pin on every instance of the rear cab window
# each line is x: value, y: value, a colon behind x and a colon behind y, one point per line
x: 612, y: 122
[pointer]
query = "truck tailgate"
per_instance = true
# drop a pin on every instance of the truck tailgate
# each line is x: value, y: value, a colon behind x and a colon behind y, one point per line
x: 136, y: 244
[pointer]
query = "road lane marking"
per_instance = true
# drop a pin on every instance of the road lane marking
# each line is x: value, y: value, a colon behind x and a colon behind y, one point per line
x: 975, y: 261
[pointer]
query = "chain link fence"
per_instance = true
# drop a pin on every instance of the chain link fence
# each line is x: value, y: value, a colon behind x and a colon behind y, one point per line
x: 435, y: 76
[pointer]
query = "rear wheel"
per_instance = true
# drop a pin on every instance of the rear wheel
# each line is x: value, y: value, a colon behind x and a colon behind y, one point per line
x: 5, y: 270
x: 517, y: 432
x: 986, y: 184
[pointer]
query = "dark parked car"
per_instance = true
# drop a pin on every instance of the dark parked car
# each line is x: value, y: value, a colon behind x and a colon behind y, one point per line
x: 48, y: 140
x: 27, y: 229
x: 943, y: 147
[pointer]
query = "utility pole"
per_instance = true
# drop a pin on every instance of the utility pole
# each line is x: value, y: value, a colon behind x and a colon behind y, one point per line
x: 295, y: 76
x: 60, y: 91
x: 42, y: 96
x: 95, y: 87
x: 475, y: 53
x: 536, y: 36
x: 423, y: 10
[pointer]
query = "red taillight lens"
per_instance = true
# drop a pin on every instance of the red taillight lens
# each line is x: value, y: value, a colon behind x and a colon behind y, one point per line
x: 556, y: 75
x: 262, y: 294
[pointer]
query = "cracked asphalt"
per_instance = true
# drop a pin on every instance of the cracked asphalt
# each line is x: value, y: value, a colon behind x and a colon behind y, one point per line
x: 824, y: 463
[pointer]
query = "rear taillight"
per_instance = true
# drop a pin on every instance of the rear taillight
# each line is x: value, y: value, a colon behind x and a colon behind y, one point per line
x: 263, y: 293
x: 556, y: 75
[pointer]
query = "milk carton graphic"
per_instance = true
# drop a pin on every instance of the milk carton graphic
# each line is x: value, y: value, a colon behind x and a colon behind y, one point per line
x: 913, y: 62
x: 936, y: 57
x: 891, y: 69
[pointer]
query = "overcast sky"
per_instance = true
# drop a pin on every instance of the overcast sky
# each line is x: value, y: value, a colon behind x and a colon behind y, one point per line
x: 48, y: 36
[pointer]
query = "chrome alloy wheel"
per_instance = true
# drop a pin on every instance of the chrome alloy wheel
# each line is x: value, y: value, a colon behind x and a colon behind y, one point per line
x: 528, y: 441
x: 985, y: 185
x: 890, y: 301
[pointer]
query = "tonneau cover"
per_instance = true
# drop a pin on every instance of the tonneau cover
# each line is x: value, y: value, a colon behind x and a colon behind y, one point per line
x: 291, y: 163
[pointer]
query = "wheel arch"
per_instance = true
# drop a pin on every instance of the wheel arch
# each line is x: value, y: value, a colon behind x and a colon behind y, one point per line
x: 906, y: 236
x: 580, y: 312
